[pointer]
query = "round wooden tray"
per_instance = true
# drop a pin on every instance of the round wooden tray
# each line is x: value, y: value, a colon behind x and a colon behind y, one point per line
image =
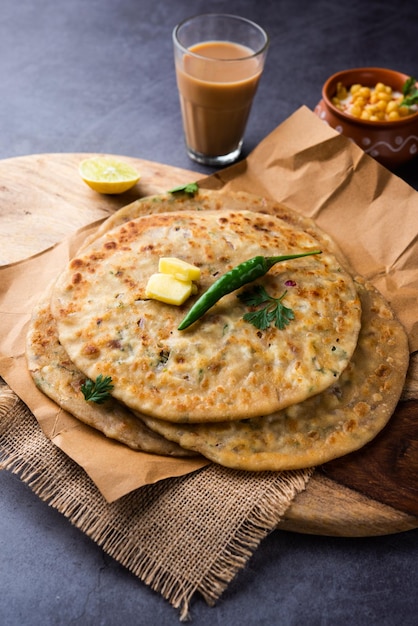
x: 371, y: 492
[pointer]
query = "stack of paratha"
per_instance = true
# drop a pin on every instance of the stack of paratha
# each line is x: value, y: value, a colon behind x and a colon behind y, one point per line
x: 272, y: 399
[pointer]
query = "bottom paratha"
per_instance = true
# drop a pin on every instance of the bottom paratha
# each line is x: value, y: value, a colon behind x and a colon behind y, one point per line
x: 56, y: 376
x: 335, y: 422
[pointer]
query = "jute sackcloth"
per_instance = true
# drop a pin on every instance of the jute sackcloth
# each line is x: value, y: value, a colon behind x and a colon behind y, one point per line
x: 180, y: 536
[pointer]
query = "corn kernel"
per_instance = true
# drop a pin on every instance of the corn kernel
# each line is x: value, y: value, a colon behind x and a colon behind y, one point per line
x: 356, y: 111
x: 359, y: 101
x: 384, y: 96
x: 392, y: 106
x: 393, y: 115
x: 364, y: 92
x: 381, y: 105
x: 341, y: 91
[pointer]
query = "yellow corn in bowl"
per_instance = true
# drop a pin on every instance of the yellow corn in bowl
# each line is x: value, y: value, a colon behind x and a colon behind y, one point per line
x: 364, y: 104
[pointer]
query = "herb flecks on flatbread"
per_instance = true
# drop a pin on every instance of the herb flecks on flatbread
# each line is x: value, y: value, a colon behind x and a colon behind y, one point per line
x: 337, y: 421
x: 223, y: 368
x: 57, y: 377
x: 253, y: 399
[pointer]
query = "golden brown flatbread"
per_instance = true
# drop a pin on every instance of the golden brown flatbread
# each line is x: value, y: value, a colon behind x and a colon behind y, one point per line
x: 213, y: 371
x: 341, y: 419
x: 56, y: 376
x: 222, y: 367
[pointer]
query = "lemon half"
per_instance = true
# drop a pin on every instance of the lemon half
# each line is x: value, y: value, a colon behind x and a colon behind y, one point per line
x: 108, y: 175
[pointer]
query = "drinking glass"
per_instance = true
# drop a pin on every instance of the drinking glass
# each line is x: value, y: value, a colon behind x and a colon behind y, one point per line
x: 219, y: 60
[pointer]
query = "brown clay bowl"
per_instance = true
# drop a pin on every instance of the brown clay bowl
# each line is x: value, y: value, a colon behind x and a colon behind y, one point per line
x: 391, y: 143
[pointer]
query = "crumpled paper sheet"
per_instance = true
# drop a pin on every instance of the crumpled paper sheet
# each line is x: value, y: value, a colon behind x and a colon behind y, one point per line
x: 303, y: 163
x: 371, y: 213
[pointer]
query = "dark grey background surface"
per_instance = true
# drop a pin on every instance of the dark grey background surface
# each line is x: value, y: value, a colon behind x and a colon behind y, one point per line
x: 97, y: 76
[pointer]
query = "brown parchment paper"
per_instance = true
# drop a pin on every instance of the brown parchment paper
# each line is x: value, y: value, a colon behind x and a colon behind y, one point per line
x: 371, y: 213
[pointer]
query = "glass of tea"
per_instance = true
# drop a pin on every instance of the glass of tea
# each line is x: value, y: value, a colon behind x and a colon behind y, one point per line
x: 219, y: 60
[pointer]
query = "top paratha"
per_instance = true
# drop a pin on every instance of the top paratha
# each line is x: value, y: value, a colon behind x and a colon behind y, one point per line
x: 222, y: 367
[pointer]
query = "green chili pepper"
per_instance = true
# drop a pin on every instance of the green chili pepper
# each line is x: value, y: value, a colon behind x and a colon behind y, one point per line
x: 240, y: 275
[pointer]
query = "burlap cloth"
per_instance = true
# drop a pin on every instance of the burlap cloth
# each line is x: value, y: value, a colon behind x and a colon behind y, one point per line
x: 180, y: 536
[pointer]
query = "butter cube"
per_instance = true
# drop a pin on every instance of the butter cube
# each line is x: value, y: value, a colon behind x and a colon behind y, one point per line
x: 178, y: 268
x: 166, y: 288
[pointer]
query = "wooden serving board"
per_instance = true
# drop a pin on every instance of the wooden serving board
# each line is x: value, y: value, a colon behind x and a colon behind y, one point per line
x: 371, y: 492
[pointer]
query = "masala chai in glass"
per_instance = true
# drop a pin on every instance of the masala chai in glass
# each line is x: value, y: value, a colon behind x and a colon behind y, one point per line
x: 219, y: 60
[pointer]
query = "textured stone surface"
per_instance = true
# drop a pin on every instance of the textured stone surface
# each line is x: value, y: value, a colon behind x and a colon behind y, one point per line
x: 98, y: 76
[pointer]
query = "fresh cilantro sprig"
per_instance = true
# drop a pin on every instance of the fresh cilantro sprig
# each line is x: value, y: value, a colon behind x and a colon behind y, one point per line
x: 273, y: 311
x: 190, y: 189
x: 410, y: 92
x: 97, y: 391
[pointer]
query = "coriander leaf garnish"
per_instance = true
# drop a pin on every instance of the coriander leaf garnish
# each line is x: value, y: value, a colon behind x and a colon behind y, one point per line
x: 97, y: 391
x: 274, y: 310
x: 410, y: 92
x: 190, y: 188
